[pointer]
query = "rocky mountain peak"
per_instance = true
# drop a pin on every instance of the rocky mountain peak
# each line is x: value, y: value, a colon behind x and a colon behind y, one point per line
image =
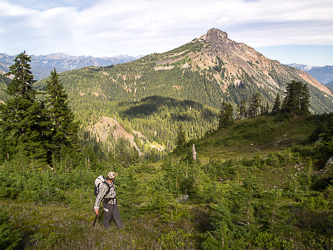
x: 217, y: 34
x: 234, y: 67
x: 219, y: 41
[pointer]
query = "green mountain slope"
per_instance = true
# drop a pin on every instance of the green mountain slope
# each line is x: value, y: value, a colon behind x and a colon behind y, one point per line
x: 153, y: 121
x: 264, y: 134
x: 207, y: 70
x: 156, y: 118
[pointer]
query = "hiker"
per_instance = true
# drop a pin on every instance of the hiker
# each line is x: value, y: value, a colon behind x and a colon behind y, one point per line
x: 111, y: 210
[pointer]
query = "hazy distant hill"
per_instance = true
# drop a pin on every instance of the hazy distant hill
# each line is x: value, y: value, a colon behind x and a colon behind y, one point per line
x: 207, y: 70
x: 330, y: 86
x: 42, y: 65
x: 322, y: 74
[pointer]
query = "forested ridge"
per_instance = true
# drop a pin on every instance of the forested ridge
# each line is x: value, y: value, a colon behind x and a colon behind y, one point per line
x: 262, y: 177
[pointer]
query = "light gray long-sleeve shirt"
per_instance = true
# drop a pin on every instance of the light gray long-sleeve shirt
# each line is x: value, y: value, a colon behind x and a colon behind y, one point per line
x: 102, y: 191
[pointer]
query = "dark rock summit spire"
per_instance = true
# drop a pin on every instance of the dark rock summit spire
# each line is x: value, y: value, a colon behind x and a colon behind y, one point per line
x: 216, y: 33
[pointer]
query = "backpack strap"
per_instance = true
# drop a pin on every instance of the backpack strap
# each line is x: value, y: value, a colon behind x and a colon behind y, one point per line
x: 114, y: 200
x: 107, y: 184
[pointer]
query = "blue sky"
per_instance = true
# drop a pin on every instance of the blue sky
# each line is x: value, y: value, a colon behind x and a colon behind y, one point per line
x: 290, y: 31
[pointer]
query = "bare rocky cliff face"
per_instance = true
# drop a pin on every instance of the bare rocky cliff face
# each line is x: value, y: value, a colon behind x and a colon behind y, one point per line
x: 108, y: 128
x: 239, y: 58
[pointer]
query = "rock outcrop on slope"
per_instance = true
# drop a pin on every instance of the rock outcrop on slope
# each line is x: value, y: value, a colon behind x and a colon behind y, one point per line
x: 108, y: 127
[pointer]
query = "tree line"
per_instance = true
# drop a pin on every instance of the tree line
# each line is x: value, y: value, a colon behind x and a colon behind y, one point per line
x: 37, y: 125
x: 296, y: 102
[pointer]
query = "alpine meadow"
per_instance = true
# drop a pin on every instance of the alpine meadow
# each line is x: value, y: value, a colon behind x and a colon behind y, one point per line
x: 214, y: 146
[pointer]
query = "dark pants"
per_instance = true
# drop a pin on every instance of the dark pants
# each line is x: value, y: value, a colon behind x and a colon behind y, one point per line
x: 111, y: 210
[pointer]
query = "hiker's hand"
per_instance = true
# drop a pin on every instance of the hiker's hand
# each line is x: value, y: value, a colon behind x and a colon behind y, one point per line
x: 96, y: 211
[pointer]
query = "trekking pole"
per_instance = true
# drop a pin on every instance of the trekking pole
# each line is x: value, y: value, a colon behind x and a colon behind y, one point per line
x: 95, y: 218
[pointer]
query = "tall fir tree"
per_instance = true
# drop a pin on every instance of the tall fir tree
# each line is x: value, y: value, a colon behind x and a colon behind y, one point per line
x: 20, y: 116
x: 45, y: 131
x: 297, y: 98
x: 242, y: 108
x: 277, y: 105
x: 305, y: 99
x: 255, y: 105
x: 238, y: 116
x: 122, y: 154
x: 226, y: 115
x: 135, y: 156
x: 65, y: 128
x: 181, y: 140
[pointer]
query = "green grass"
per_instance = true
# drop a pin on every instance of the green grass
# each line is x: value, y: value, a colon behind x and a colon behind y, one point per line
x: 246, y: 137
x: 59, y: 226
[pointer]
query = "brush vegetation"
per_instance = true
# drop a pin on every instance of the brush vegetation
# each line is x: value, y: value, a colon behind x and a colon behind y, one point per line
x: 258, y: 184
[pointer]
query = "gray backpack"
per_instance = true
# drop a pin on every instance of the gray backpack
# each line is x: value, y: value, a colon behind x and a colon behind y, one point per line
x: 98, y: 181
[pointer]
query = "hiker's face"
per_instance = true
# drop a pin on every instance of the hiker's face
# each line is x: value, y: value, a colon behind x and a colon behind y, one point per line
x: 110, y: 180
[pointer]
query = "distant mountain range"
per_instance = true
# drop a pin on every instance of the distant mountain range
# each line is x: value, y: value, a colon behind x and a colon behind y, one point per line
x: 42, y: 65
x: 322, y: 74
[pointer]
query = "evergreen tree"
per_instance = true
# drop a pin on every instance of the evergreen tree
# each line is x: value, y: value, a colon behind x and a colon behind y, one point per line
x: 64, y: 126
x: 226, y: 115
x: 242, y: 108
x: 121, y: 156
x: 23, y: 80
x: 255, y: 105
x: 92, y: 160
x: 297, y: 98
x: 20, y: 117
x: 111, y: 158
x: 223, y: 111
x: 45, y: 129
x: 305, y: 99
x: 238, y: 116
x: 135, y: 157
x: 181, y: 140
x: 277, y: 105
x: 153, y: 155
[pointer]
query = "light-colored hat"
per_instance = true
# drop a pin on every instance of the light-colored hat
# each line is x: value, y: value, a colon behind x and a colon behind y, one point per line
x: 112, y: 175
